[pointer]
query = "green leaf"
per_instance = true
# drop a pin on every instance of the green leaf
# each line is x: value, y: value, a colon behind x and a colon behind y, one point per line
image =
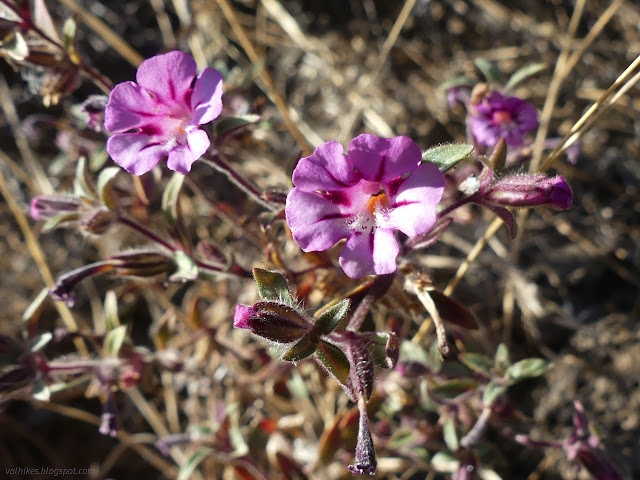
x: 450, y: 435
x: 460, y: 81
x: 524, y: 73
x: 412, y: 352
x: 527, y: 368
x: 333, y: 360
x: 170, y: 198
x: 477, y: 362
x: 304, y: 348
x: 81, y: 184
x: 69, y: 34
x: 111, y: 319
x: 32, y: 312
x: 492, y: 391
x: 328, y: 320
x: 104, y: 187
x: 114, y: 339
x: 188, y: 467
x: 235, y: 122
x: 445, y: 462
x: 272, y: 286
x: 58, y: 219
x: 489, y: 70
x: 455, y: 387
x: 447, y: 155
x: 501, y: 360
x: 186, y: 268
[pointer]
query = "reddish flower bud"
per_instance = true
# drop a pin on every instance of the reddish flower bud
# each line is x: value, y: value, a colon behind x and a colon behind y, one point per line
x: 271, y: 320
x: 45, y: 207
x: 529, y: 191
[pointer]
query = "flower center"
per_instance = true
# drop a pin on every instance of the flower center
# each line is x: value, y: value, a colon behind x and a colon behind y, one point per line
x: 501, y: 117
x: 377, y: 202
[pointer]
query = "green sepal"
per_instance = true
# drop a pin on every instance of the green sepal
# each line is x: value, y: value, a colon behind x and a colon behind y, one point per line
x: 301, y: 350
x: 330, y: 317
x: 333, y: 361
x: 272, y: 286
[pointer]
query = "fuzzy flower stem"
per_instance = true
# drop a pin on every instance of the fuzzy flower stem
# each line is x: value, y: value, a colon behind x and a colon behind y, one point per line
x: 218, y: 164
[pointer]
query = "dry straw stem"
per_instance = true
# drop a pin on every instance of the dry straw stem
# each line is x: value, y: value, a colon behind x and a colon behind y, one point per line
x: 38, y: 257
x: 264, y: 75
x: 127, y: 439
x: 110, y: 37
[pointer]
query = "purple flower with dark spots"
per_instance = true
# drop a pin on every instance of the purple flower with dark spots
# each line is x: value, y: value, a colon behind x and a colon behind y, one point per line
x: 159, y: 115
x: 496, y: 116
x: 380, y: 186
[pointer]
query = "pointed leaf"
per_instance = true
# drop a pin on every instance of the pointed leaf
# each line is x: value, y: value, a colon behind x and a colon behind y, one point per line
x: 450, y: 435
x: 501, y: 360
x: 447, y: 155
x: 189, y: 466
x: 524, y: 73
x: 445, y: 462
x: 59, y: 219
x: 460, y: 81
x: 331, y: 316
x: 489, y: 70
x: 114, y: 339
x: 272, y: 286
x: 170, y: 198
x: 104, y: 187
x: 385, y: 348
x: 477, y: 362
x: 185, y: 267
x: 81, y: 183
x: 111, y: 319
x: 32, y: 312
x: 69, y: 34
x: 333, y: 361
x: 455, y: 387
x: 39, y: 342
x: 530, y: 367
x: 304, y: 348
x: 492, y: 391
x: 452, y: 311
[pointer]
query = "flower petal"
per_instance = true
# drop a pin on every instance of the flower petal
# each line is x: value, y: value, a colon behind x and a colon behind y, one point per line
x: 383, y: 159
x: 356, y: 257
x: 413, y: 210
x: 137, y: 153
x: 385, y: 251
x: 482, y: 129
x: 130, y: 106
x: 316, y: 224
x: 325, y: 169
x: 183, y: 156
x: 206, y: 99
x: 169, y: 76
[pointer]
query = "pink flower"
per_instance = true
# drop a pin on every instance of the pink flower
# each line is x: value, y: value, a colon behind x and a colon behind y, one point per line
x: 497, y: 117
x: 159, y: 116
x: 380, y: 186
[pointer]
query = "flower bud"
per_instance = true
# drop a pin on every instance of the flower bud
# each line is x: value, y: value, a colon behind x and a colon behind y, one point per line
x: 365, y: 461
x: 530, y: 191
x: 44, y: 207
x: 274, y: 321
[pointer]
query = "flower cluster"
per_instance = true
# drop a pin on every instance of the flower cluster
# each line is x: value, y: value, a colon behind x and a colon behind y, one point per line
x: 380, y: 186
x: 159, y: 116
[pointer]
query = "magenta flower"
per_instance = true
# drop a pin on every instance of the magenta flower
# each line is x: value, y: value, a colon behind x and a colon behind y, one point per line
x: 159, y: 116
x: 378, y: 187
x: 497, y: 117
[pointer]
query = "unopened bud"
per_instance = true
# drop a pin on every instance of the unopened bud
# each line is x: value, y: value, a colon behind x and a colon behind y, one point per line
x: 530, y: 191
x: 271, y: 320
x: 45, y: 207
